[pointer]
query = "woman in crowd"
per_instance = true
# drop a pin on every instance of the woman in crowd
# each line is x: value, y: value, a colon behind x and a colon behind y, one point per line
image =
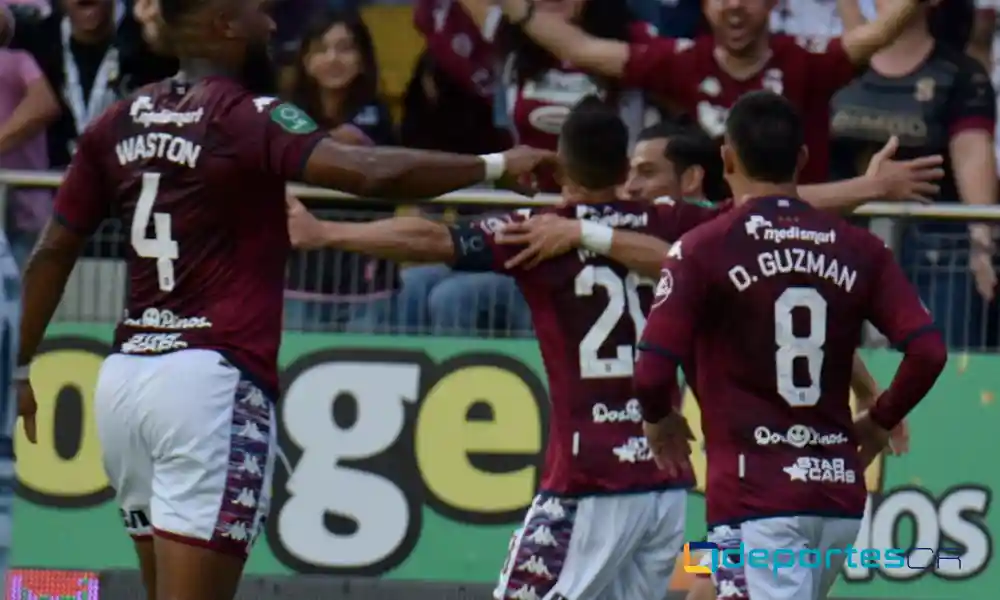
x: 335, y: 81
x: 924, y: 89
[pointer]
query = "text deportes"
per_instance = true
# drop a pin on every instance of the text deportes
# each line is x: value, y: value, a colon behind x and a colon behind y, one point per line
x: 810, y: 558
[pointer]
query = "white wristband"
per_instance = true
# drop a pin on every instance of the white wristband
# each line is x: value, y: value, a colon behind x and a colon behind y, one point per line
x: 22, y: 373
x: 496, y: 165
x: 596, y: 237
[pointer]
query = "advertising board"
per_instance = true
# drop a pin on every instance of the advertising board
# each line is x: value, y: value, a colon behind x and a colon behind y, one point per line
x: 414, y: 458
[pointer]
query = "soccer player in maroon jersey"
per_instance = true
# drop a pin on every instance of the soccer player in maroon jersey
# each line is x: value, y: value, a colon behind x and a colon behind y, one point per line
x: 196, y: 168
x: 763, y: 308
x: 606, y: 522
x: 704, y: 76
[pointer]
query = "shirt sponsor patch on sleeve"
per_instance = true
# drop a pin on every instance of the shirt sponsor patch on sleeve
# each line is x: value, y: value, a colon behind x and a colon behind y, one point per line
x: 293, y: 119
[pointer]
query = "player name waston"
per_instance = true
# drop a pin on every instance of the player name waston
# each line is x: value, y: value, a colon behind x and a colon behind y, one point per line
x: 794, y: 260
x: 148, y: 146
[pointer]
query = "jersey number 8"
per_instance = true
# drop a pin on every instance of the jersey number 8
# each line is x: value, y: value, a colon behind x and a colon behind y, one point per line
x: 161, y: 246
x: 791, y: 347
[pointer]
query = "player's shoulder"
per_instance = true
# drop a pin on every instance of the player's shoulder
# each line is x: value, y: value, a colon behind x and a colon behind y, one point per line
x: 863, y: 240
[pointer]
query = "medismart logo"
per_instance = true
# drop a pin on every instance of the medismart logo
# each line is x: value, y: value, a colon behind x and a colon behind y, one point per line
x: 786, y: 558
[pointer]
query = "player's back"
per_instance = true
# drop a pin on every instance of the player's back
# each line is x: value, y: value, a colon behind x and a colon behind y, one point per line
x: 789, y: 291
x: 588, y: 313
x: 187, y: 166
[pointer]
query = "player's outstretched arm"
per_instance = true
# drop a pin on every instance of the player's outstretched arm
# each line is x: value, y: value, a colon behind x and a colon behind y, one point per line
x: 384, y: 172
x: 547, y: 236
x: 886, y: 179
x: 401, y: 239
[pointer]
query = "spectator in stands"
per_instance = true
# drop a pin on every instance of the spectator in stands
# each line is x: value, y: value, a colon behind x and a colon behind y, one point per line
x: 537, y: 89
x: 937, y: 100
x: 707, y: 74
x: 336, y: 82
x: 27, y: 106
x: 92, y: 53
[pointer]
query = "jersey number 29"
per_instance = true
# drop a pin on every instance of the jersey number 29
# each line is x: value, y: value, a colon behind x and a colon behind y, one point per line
x: 807, y: 348
x: 161, y: 246
x: 623, y: 294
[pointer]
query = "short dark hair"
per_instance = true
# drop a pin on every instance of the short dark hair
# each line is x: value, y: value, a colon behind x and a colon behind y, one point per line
x: 766, y: 132
x: 689, y: 146
x: 594, y: 144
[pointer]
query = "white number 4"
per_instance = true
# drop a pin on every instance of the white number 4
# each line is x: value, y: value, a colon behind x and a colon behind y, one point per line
x: 162, y: 246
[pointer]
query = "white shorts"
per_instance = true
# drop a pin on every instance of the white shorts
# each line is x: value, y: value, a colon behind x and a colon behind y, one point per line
x: 189, y: 446
x: 787, y: 582
x: 617, y: 547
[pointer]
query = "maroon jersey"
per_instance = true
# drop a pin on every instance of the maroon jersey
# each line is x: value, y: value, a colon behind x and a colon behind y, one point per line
x: 764, y: 308
x: 807, y: 72
x: 588, y: 312
x: 197, y: 174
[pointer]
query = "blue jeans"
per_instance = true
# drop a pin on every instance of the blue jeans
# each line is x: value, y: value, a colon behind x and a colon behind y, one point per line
x: 21, y: 245
x: 436, y: 298
x: 936, y: 259
x: 373, y: 316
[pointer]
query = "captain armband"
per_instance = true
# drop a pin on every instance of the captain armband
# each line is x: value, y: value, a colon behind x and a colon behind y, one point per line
x: 472, y: 250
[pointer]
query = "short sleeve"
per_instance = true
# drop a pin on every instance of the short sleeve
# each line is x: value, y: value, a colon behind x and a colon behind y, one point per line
x: 827, y: 56
x: 272, y: 136
x: 972, y: 104
x: 677, y: 304
x: 895, y: 308
x: 674, y: 218
x: 27, y: 68
x: 83, y: 199
x: 477, y: 248
x: 659, y: 65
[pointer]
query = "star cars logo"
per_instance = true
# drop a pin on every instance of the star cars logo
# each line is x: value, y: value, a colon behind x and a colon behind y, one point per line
x: 798, y: 436
x: 820, y: 470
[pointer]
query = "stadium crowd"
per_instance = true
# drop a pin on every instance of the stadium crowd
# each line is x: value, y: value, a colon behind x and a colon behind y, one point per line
x: 422, y: 74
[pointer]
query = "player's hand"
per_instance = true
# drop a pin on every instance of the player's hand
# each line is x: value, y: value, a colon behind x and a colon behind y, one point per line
x: 899, y: 439
x: 26, y: 409
x: 304, y: 230
x: 872, y: 439
x: 905, y: 180
x: 543, y: 236
x: 669, y: 441
x: 524, y: 166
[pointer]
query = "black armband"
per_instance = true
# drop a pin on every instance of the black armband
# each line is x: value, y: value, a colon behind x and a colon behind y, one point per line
x: 472, y: 251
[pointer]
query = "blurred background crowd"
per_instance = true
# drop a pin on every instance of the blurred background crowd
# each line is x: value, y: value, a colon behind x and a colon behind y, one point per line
x: 419, y: 73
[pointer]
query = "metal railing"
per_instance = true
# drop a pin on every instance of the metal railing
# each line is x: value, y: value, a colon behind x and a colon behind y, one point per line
x: 337, y: 291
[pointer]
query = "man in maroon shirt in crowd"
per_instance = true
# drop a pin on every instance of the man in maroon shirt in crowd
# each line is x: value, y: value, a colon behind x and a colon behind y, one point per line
x: 763, y: 307
x: 196, y: 167
x: 703, y: 77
